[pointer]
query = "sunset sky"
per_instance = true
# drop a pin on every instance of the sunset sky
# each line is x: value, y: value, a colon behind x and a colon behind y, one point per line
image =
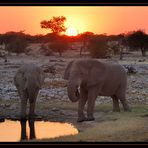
x: 97, y: 19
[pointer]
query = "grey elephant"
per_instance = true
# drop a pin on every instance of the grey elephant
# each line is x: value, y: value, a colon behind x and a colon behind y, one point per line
x: 28, y: 81
x: 89, y: 78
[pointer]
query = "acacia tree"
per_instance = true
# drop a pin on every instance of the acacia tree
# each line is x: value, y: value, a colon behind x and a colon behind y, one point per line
x: 56, y: 24
x: 59, y: 46
x: 138, y: 40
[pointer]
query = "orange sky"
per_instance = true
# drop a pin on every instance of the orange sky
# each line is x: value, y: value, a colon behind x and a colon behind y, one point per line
x: 97, y: 19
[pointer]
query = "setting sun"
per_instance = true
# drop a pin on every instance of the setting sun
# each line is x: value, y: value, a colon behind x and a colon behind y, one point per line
x: 71, y: 31
x: 96, y: 19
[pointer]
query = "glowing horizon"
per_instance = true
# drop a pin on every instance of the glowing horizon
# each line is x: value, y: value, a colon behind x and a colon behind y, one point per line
x: 96, y: 19
x: 71, y: 31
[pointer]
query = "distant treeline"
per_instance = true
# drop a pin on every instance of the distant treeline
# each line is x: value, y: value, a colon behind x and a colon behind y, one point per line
x: 98, y: 44
x: 50, y: 37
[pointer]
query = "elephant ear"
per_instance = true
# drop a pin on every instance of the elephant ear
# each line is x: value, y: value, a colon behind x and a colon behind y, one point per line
x: 19, y: 80
x: 96, y: 75
x: 16, y: 80
x: 25, y: 80
x: 67, y: 71
x: 40, y: 79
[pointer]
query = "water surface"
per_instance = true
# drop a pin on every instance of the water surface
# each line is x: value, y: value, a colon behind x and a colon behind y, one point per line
x: 18, y: 130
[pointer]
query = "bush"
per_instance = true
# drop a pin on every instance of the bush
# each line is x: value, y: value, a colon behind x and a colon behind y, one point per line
x: 114, y: 47
x: 59, y: 46
x: 17, y: 45
x: 98, y: 48
x: 46, y: 50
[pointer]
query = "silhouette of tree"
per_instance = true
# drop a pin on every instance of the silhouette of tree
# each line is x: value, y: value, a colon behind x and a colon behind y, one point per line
x: 60, y: 45
x: 56, y: 24
x: 85, y: 37
x: 15, y: 41
x: 138, y: 40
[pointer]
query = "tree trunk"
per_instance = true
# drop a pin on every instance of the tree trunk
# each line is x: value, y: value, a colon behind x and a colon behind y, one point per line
x: 121, y: 53
x: 83, y: 47
x: 143, y: 52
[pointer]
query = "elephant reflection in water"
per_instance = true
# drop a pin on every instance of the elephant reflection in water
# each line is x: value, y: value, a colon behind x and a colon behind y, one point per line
x: 23, y: 129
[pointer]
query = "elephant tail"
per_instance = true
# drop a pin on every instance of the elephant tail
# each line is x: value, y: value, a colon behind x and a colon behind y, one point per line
x: 67, y: 71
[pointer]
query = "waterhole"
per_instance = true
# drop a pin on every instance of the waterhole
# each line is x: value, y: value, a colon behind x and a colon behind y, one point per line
x: 15, y: 131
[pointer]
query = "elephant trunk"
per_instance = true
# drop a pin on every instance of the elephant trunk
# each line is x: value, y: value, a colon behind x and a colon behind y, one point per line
x: 73, y: 92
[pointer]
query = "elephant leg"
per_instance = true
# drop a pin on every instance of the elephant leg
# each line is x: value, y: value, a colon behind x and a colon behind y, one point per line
x: 116, y: 107
x: 32, y: 101
x: 32, y: 128
x: 23, y: 106
x: 122, y: 98
x: 125, y: 105
x: 81, y: 104
x: 92, y: 95
x: 32, y: 108
x: 23, y: 129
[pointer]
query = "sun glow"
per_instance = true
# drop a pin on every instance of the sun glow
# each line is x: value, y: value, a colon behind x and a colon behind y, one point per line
x: 71, y: 31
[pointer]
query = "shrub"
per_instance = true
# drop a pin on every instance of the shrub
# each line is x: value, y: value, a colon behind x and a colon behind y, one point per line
x: 59, y: 46
x: 46, y: 50
x: 17, y: 45
x: 114, y: 47
x: 98, y: 48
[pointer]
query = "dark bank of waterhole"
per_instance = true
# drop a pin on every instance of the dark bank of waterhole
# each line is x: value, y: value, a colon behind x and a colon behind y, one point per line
x: 15, y: 131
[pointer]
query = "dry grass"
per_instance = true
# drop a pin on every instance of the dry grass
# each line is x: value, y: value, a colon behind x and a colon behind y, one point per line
x: 55, y: 84
x: 123, y: 130
x: 65, y: 105
x: 120, y: 130
x: 127, y: 127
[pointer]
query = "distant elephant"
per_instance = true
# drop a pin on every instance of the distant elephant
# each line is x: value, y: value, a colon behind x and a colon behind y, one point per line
x: 28, y: 81
x: 95, y: 78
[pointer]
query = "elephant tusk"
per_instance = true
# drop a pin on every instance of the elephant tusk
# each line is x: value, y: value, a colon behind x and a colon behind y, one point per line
x: 77, y: 93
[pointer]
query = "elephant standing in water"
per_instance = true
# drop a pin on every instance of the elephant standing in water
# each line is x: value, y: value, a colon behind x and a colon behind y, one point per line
x: 24, y: 135
x: 28, y: 81
x: 95, y: 78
